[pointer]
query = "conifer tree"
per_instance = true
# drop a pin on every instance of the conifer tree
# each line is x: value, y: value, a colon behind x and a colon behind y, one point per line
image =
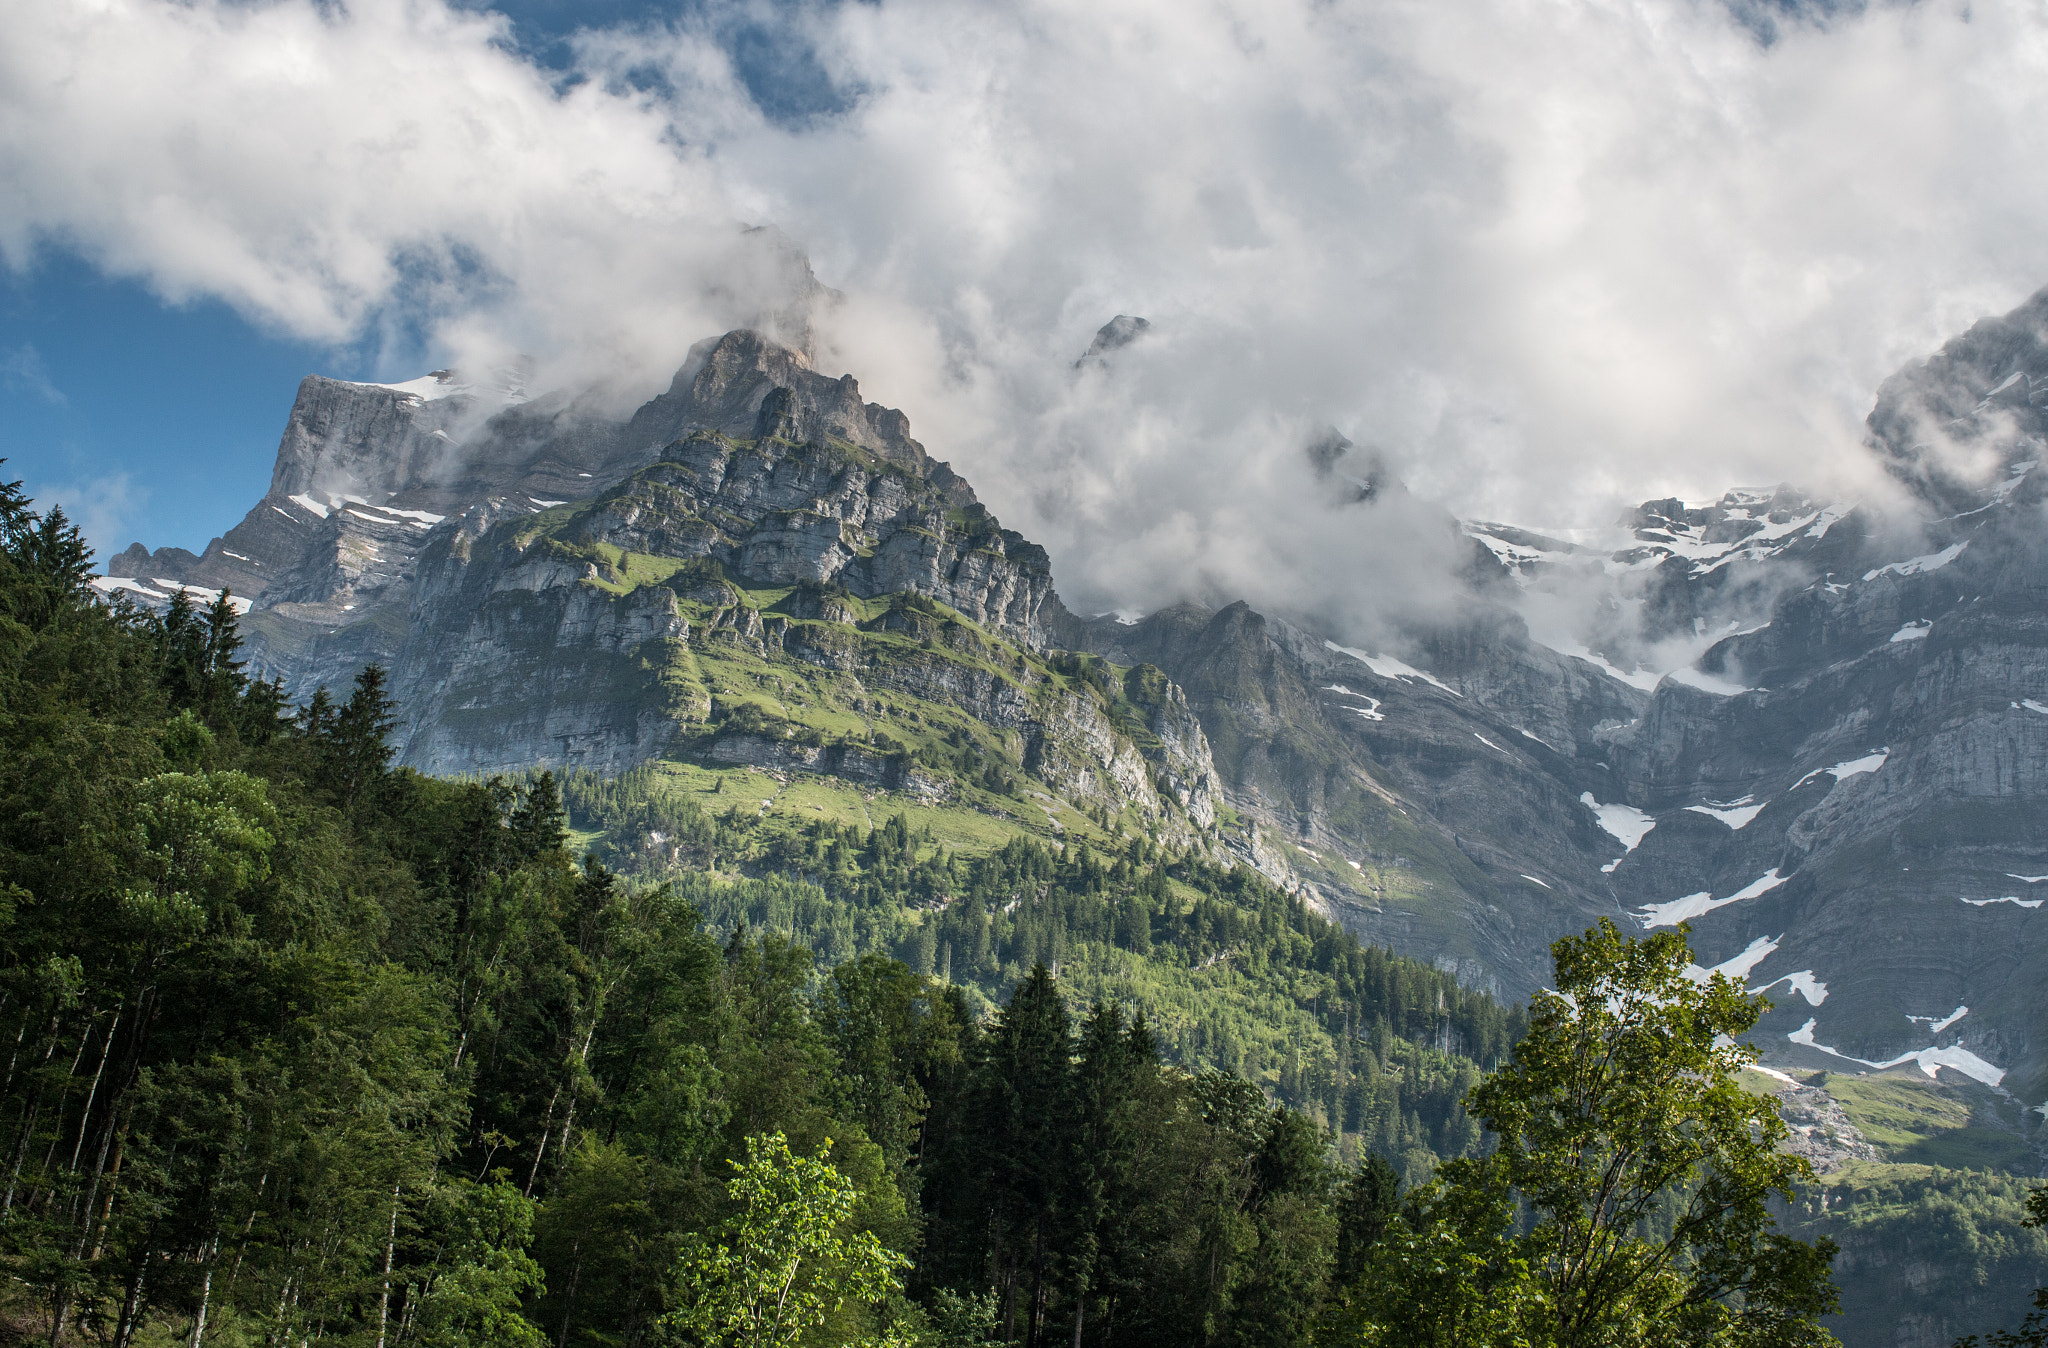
x: 1023, y: 1094
x: 537, y: 822
x: 357, y: 752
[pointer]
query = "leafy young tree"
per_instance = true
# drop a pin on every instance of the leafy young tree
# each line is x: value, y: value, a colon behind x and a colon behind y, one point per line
x: 1620, y: 1117
x: 471, y: 1298
x: 782, y: 1265
x: 1446, y: 1272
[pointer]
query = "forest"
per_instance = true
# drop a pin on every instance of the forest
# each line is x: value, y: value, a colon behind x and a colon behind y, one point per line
x: 1378, y: 1049
x: 305, y: 1048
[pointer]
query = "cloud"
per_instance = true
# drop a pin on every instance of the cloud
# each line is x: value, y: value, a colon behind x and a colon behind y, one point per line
x: 22, y: 371
x: 1543, y: 255
x: 104, y: 508
x: 374, y: 169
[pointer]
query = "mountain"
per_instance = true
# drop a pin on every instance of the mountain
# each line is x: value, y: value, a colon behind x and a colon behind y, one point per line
x: 1817, y: 733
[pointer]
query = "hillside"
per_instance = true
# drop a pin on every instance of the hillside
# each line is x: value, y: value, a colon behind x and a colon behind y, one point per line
x: 311, y: 1046
x: 754, y: 624
x: 1838, y: 783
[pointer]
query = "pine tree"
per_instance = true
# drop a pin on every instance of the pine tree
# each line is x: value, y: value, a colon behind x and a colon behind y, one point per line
x: 357, y: 753
x: 1369, y: 1201
x: 1024, y: 1088
x: 537, y: 821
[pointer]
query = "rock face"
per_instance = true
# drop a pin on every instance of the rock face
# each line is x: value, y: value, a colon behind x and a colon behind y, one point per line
x: 1842, y: 786
x: 550, y: 585
x: 1846, y: 797
x: 365, y: 473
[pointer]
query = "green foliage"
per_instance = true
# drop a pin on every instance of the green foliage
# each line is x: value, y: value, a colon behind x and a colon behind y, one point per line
x: 301, y: 1048
x: 2033, y: 1331
x: 1643, y: 1168
x: 782, y: 1264
x: 1232, y: 972
x: 472, y: 1296
x: 1449, y: 1274
x: 1941, y: 1250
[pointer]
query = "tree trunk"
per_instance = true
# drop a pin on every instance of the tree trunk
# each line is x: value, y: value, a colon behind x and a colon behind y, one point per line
x: 390, y: 1251
x: 131, y: 1305
x: 569, y: 1301
x: 205, y: 1300
x: 93, y: 1091
x: 547, y: 1128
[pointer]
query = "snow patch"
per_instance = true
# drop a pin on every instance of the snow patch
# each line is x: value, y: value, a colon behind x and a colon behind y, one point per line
x: 1736, y: 814
x: 1855, y: 767
x: 544, y: 505
x: 1700, y: 904
x: 2032, y: 705
x: 1534, y: 881
x: 1773, y: 1073
x: 1913, y: 631
x: 165, y: 589
x: 2026, y: 879
x: 1644, y: 679
x: 1706, y: 683
x: 1489, y: 743
x: 1937, y: 1026
x: 1956, y: 1059
x: 430, y: 387
x: 1739, y: 966
x: 309, y: 504
x: 2014, y: 901
x: 1625, y: 822
x: 109, y: 584
x: 1914, y: 566
x: 1387, y: 667
x: 1804, y: 983
x: 1370, y: 712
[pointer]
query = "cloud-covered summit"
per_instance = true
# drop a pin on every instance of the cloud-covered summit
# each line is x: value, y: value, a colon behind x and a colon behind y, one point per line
x: 1545, y: 258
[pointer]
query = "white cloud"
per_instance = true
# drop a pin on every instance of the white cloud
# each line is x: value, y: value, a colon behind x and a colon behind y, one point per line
x: 328, y: 169
x: 1548, y: 254
x: 22, y: 370
x: 104, y: 508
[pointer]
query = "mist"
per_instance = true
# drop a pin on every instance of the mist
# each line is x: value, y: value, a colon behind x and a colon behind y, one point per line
x: 1536, y: 260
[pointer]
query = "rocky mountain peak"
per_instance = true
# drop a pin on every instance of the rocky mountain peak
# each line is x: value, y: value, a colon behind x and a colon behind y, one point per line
x: 1964, y: 426
x: 724, y: 383
x: 1114, y: 335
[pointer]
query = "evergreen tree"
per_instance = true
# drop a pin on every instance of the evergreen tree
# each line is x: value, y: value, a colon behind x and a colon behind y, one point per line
x: 1367, y: 1205
x: 537, y: 823
x: 355, y: 749
x: 1022, y: 1094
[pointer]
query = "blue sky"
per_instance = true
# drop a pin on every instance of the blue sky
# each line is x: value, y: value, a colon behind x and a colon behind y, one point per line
x: 1546, y: 259
x: 150, y: 422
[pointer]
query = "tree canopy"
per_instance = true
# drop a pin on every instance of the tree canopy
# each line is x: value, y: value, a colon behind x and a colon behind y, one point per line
x: 1627, y: 1198
x: 303, y: 1047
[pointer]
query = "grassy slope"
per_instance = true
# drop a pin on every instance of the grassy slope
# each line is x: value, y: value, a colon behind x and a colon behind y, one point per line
x: 1939, y: 1201
x: 1263, y: 1022
x: 1930, y: 1242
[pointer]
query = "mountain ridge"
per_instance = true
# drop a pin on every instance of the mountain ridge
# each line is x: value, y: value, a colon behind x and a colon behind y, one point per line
x: 1832, y: 784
